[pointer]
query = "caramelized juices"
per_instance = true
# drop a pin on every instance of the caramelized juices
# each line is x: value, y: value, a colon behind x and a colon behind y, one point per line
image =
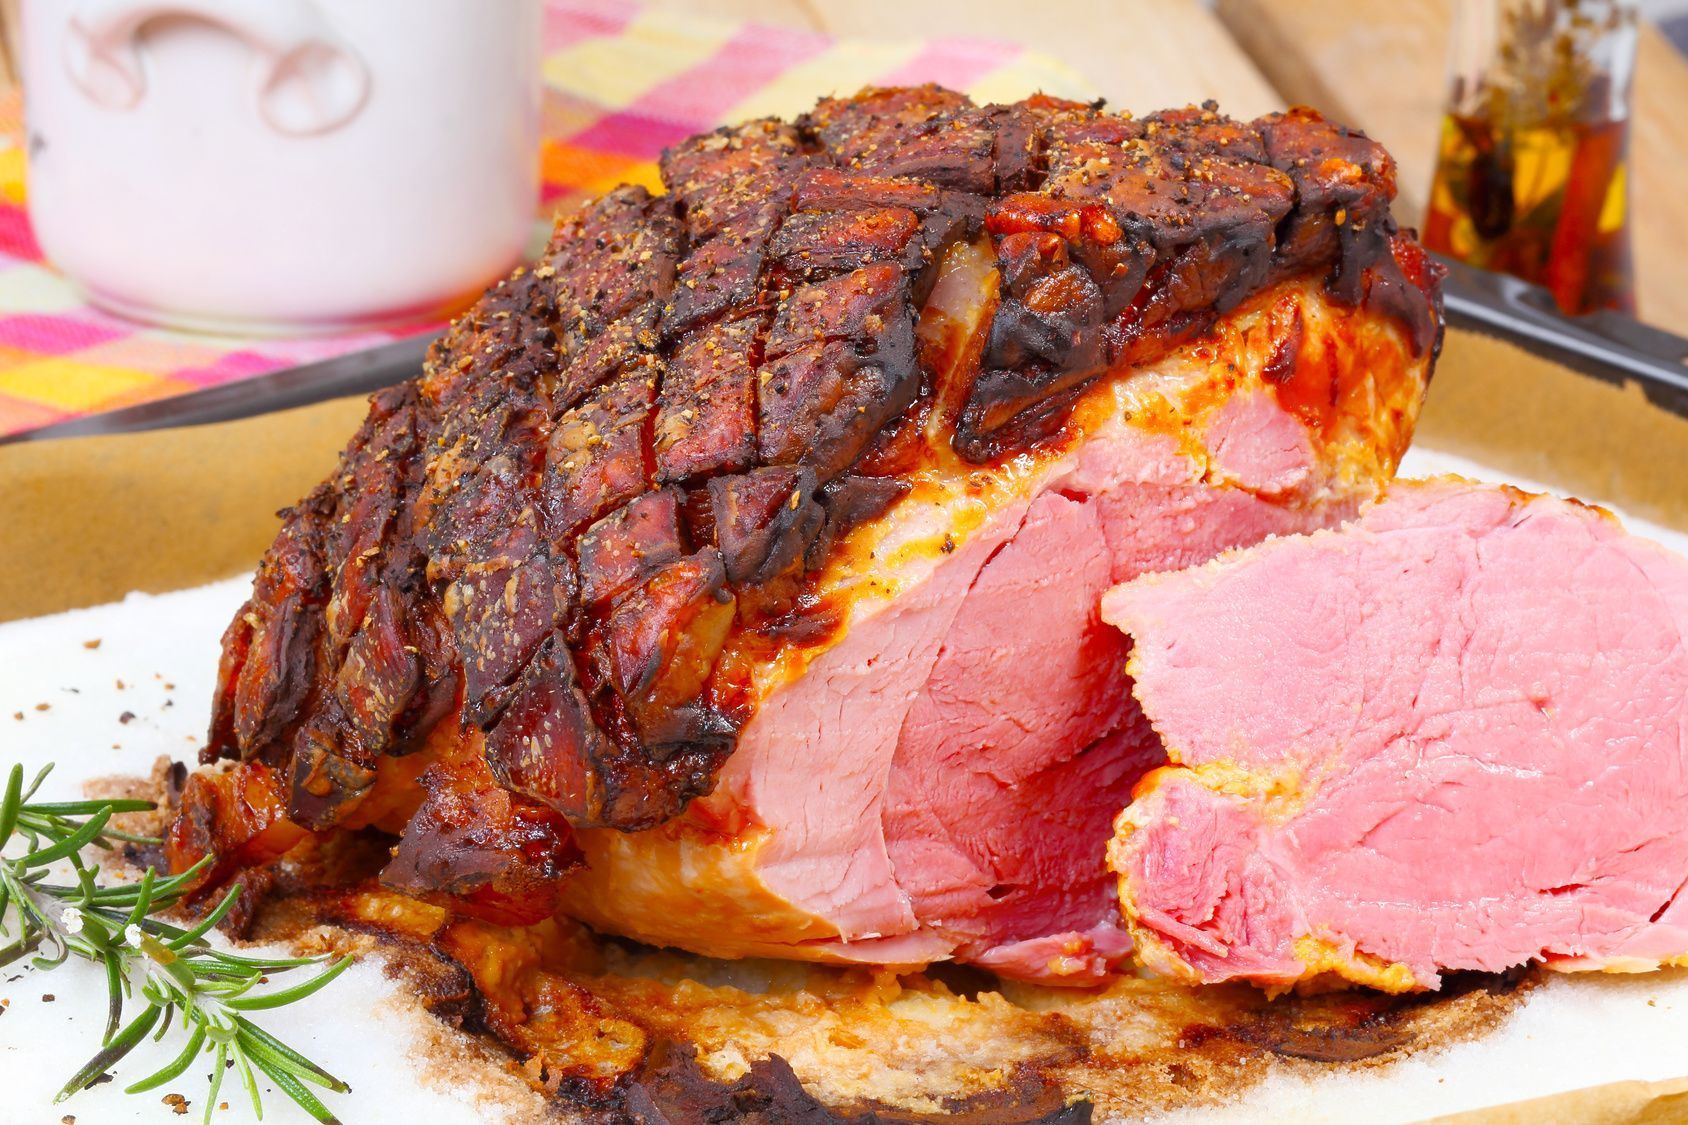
x: 1531, y: 174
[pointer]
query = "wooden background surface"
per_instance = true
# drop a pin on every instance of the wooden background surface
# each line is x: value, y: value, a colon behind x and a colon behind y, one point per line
x: 1377, y: 64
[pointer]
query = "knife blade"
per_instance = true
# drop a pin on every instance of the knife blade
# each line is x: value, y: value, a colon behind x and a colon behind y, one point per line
x: 1606, y: 345
x: 357, y: 373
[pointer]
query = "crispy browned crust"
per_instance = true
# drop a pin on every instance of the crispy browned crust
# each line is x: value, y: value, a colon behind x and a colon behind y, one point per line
x: 614, y: 1033
x: 642, y: 446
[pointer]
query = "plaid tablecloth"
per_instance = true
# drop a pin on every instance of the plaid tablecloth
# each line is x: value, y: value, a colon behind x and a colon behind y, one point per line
x: 622, y: 82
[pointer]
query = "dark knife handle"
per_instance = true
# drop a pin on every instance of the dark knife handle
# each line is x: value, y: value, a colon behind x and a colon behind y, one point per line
x: 1608, y: 346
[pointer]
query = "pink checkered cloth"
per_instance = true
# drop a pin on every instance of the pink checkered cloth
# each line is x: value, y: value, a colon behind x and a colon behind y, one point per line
x: 623, y: 82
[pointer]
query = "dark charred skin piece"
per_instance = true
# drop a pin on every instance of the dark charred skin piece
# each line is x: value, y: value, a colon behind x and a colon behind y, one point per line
x: 490, y: 853
x: 658, y: 433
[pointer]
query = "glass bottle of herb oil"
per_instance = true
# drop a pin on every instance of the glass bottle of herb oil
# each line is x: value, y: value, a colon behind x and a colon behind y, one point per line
x: 1531, y: 175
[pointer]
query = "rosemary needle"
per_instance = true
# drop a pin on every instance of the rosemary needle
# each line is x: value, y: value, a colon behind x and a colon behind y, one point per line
x: 173, y: 976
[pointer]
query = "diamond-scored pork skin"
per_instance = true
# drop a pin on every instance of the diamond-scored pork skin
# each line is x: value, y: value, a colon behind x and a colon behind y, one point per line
x: 1451, y: 735
x: 730, y: 577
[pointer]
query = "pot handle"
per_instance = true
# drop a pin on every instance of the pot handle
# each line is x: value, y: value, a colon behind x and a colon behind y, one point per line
x: 307, y: 79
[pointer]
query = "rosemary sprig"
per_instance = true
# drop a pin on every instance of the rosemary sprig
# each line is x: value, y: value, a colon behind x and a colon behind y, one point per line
x: 175, y: 975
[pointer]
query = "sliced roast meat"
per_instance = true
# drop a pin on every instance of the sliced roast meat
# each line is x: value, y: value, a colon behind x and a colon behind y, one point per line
x: 1450, y: 735
x: 756, y: 530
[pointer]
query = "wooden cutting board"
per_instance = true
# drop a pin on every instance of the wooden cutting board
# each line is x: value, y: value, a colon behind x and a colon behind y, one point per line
x: 1381, y: 65
x: 1141, y: 55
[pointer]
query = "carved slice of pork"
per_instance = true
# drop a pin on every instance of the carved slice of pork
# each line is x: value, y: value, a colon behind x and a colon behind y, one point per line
x: 1450, y: 735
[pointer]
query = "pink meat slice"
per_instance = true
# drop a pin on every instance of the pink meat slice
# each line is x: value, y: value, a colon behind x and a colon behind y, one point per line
x: 980, y: 733
x: 1450, y: 735
x: 1015, y: 755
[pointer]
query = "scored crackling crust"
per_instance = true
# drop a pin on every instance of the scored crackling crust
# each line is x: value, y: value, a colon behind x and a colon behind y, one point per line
x: 649, y: 441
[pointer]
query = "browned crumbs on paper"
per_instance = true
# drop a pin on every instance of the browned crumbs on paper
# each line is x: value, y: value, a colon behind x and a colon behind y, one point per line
x: 18, y: 715
x: 48, y: 997
x: 93, y: 644
x: 43, y: 706
x: 1185, y: 1047
x: 68, y: 1119
x: 126, y: 717
x: 176, y: 1102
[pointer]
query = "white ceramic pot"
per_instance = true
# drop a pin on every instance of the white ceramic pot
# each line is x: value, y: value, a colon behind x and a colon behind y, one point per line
x: 282, y: 165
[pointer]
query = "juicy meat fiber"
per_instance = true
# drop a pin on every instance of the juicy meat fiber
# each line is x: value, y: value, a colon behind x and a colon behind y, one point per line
x: 1450, y: 735
x: 747, y: 548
